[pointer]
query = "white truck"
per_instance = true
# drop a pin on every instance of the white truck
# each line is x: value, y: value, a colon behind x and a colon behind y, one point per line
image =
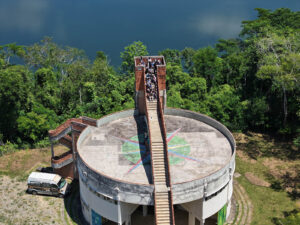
x: 48, y: 184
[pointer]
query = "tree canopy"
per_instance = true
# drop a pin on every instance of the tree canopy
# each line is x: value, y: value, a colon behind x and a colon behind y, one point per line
x: 248, y: 83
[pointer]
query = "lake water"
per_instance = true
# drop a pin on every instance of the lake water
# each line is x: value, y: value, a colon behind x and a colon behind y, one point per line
x: 110, y: 25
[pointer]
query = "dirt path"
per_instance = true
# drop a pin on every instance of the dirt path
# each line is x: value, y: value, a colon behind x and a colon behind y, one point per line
x: 244, y: 207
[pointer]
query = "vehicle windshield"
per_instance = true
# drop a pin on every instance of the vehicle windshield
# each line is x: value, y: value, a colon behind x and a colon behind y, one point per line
x: 61, y: 183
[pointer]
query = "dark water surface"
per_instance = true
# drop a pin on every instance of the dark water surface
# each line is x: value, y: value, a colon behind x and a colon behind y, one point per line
x: 110, y: 25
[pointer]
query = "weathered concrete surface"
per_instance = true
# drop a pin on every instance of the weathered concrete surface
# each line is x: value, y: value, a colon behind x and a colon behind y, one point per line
x: 207, y: 150
x: 207, y: 167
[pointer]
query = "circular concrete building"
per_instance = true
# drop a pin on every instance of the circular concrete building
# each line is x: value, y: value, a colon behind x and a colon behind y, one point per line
x: 118, y: 170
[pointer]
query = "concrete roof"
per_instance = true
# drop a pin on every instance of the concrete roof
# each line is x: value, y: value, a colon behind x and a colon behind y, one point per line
x: 115, y: 149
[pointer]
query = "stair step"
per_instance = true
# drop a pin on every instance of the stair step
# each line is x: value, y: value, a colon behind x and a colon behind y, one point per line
x: 161, y: 202
x: 159, y: 168
x: 163, y: 212
x: 160, y: 177
x: 163, y: 217
x: 163, y: 209
x: 158, y: 155
x: 163, y: 222
x: 160, y: 180
x: 158, y: 152
x: 162, y: 205
x: 161, y: 195
x: 158, y: 159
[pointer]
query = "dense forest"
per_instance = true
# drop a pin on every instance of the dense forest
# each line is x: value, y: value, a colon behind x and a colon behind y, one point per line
x: 250, y: 83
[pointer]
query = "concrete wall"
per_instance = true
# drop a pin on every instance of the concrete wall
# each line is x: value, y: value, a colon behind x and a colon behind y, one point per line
x: 104, y: 208
x: 140, y: 104
x: 66, y: 171
x: 126, y: 210
x: 63, y: 164
x: 126, y: 192
x: 143, y: 194
x: 210, y: 205
x: 215, y: 204
x: 111, y: 209
x: 194, y: 208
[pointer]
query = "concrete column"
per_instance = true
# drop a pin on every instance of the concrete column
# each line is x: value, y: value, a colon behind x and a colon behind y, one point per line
x: 191, y: 219
x: 128, y: 221
x: 52, y: 149
x: 202, y: 222
x: 230, y: 177
x: 145, y: 210
x: 119, y: 208
x: 228, y: 209
x: 74, y: 140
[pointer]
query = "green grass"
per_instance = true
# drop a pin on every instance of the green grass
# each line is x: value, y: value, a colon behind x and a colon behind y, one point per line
x: 267, y: 203
x: 66, y: 217
x: 238, y: 207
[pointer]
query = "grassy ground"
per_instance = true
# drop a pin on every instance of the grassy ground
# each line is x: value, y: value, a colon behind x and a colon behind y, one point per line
x: 16, y: 206
x: 21, y: 163
x: 254, y: 155
x: 277, y: 163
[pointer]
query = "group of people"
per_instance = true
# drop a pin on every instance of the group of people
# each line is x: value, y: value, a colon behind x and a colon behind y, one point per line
x: 151, y: 86
x: 151, y: 79
x: 150, y: 65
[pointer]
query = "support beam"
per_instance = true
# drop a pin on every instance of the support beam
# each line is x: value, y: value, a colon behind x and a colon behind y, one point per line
x: 191, y: 219
x: 128, y: 221
x: 145, y: 210
x: 52, y: 150
x: 119, y: 207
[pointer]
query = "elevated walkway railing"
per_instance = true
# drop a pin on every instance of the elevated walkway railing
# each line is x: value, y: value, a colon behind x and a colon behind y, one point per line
x: 78, y: 124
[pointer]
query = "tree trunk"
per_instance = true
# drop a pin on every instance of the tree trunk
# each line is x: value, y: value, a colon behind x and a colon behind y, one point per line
x: 80, y: 100
x: 284, y: 105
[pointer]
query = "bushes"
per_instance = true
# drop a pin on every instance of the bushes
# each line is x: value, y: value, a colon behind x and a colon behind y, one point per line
x: 8, y: 147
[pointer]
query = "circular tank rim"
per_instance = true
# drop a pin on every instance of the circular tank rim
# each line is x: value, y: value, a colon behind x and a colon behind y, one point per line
x: 168, y: 111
